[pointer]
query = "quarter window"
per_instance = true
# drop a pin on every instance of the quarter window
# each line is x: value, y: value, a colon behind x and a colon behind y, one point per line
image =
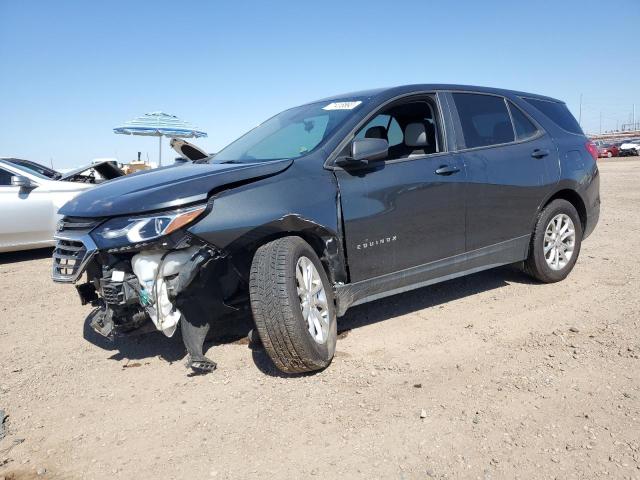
x: 558, y: 112
x: 523, y: 126
x: 5, y: 178
x: 485, y: 119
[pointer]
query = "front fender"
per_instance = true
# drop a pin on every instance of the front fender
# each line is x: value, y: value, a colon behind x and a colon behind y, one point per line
x: 300, y: 201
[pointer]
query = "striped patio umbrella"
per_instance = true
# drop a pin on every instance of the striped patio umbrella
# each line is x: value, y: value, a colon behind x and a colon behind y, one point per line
x: 159, y: 124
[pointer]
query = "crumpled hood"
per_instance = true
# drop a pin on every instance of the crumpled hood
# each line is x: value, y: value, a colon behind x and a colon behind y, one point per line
x: 163, y: 188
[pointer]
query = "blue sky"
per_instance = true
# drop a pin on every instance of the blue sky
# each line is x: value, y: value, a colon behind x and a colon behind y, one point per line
x: 71, y: 71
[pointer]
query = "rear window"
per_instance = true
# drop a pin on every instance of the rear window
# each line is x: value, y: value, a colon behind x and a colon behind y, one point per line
x: 485, y: 119
x: 558, y: 113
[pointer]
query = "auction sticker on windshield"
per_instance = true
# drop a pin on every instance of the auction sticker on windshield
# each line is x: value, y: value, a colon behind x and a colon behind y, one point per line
x: 342, y: 105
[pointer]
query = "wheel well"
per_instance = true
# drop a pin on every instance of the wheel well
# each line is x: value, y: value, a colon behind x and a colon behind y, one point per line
x: 574, y: 199
x: 315, y: 241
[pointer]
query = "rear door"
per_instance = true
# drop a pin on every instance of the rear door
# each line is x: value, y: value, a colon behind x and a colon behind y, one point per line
x: 509, y: 163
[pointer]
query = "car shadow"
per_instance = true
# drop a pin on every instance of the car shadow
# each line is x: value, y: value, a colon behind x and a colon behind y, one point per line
x: 25, y: 255
x: 431, y: 296
x: 408, y: 302
x: 147, y: 342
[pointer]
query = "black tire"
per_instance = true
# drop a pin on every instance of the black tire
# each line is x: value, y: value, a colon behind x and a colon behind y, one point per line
x: 536, y: 264
x: 277, y: 309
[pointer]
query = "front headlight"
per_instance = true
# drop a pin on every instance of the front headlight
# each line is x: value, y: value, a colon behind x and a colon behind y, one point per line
x: 122, y: 231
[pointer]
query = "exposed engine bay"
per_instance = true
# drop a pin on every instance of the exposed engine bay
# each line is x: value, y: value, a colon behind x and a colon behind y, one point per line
x: 171, y: 288
x: 94, y: 173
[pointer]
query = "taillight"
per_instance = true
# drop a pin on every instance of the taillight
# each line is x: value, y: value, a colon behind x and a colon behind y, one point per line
x: 592, y: 149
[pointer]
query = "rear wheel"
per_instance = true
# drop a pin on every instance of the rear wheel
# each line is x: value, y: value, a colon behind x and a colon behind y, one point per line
x: 555, y: 244
x: 292, y: 305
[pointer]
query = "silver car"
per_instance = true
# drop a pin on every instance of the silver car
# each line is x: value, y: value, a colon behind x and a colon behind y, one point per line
x: 30, y: 196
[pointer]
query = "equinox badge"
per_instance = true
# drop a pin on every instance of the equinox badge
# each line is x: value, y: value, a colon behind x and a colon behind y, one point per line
x: 375, y: 243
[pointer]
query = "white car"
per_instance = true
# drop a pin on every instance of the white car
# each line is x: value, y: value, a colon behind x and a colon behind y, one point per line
x: 30, y: 196
x: 630, y: 147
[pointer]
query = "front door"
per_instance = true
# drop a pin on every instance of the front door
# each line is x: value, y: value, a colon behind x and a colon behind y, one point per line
x: 408, y: 209
x: 27, y: 214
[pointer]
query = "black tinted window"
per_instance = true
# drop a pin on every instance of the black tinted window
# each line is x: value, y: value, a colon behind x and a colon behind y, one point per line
x: 559, y: 113
x: 485, y: 119
x: 5, y: 177
x: 523, y: 126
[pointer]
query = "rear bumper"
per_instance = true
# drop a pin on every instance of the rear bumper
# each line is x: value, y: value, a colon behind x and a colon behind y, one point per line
x: 593, y: 215
x: 591, y: 198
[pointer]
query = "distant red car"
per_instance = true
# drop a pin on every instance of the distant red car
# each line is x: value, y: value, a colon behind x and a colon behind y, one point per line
x: 608, y: 150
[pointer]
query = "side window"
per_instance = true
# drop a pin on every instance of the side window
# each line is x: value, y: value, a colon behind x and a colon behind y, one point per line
x: 522, y: 125
x: 5, y: 178
x: 485, y: 119
x: 380, y: 126
x: 396, y: 137
x: 411, y: 129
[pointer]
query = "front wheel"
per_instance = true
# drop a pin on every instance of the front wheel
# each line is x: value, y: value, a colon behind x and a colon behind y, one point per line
x: 292, y: 305
x: 555, y: 244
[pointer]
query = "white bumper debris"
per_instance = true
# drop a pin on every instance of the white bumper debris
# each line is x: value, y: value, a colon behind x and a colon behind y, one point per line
x: 145, y: 265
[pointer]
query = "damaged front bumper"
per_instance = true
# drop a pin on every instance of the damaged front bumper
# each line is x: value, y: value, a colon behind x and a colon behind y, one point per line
x: 174, y: 283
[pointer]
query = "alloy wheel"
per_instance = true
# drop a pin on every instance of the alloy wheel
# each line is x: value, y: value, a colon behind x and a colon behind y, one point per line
x: 559, y: 241
x: 313, y: 299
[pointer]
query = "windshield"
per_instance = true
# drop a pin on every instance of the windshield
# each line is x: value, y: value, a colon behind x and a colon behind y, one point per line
x: 290, y: 134
x: 35, y: 168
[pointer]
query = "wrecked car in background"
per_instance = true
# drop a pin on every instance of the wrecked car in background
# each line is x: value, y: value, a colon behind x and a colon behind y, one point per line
x: 31, y: 194
x: 333, y: 204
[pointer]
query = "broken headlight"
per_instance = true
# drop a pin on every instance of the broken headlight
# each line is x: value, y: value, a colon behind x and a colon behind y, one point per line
x: 122, y: 231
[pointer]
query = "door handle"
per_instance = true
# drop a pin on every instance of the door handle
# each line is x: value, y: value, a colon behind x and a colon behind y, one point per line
x: 539, y: 153
x: 447, y: 170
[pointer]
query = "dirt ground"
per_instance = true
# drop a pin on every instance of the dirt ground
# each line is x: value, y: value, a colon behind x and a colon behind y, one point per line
x: 489, y: 376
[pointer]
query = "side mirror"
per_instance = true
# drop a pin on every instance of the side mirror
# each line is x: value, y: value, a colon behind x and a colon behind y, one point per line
x: 365, y: 150
x: 22, y: 182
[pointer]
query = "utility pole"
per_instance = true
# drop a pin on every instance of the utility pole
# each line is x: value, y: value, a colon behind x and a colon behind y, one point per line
x: 600, y: 122
x: 634, y: 117
x: 580, y: 112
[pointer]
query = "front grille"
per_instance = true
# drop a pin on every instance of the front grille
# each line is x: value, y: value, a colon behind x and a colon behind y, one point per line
x: 67, y: 257
x: 74, y: 248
